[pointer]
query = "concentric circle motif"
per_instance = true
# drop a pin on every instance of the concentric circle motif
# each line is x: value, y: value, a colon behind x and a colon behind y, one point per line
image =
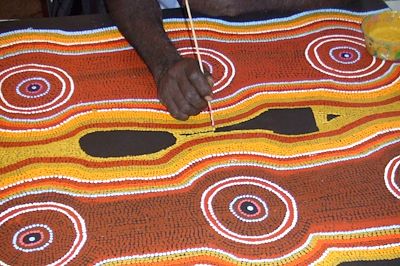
x: 33, y: 238
x: 249, y: 208
x: 342, y: 56
x: 33, y: 89
x: 345, y: 55
x: 392, y: 171
x: 53, y: 224
x: 219, y: 65
x: 251, y: 212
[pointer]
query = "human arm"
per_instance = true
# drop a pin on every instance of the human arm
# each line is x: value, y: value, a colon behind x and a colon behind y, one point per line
x: 181, y: 86
x: 239, y: 7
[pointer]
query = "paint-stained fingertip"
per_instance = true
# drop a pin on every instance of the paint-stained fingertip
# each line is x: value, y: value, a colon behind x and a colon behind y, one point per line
x: 210, y: 80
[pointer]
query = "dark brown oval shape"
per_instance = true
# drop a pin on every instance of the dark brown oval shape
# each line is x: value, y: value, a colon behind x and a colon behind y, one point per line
x: 120, y: 143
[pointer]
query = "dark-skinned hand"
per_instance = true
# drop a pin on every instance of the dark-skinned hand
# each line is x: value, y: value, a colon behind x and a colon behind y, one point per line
x: 184, y: 89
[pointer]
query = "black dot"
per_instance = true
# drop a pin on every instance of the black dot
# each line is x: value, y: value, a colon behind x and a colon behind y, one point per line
x: 248, y: 208
x: 346, y: 55
x: 31, y: 238
x: 33, y: 87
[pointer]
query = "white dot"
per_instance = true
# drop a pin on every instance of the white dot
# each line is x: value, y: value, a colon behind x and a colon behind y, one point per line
x: 250, y: 208
x: 32, y: 238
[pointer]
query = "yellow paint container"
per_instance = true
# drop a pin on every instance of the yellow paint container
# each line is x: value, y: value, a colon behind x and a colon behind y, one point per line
x: 382, y: 35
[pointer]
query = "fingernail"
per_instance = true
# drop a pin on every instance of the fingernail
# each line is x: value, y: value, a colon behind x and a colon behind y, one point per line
x: 210, y: 81
x: 208, y: 98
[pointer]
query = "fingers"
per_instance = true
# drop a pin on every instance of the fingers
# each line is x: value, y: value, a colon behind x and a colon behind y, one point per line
x: 184, y: 89
x: 185, y: 107
x: 169, y: 94
x: 201, y: 82
x: 191, y: 95
x: 210, y: 81
x: 209, y: 78
x: 174, y: 110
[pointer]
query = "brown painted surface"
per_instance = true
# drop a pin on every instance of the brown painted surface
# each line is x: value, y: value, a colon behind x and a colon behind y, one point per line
x: 337, y: 197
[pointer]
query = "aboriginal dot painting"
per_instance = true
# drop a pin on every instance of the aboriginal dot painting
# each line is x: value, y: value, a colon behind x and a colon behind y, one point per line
x: 303, y: 167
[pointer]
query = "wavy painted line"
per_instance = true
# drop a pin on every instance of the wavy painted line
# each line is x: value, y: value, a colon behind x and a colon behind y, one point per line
x: 204, y: 171
x: 390, y: 176
x: 360, y: 146
x: 365, y: 248
x: 328, y: 15
x: 221, y: 104
x: 290, y: 256
x: 210, y: 139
